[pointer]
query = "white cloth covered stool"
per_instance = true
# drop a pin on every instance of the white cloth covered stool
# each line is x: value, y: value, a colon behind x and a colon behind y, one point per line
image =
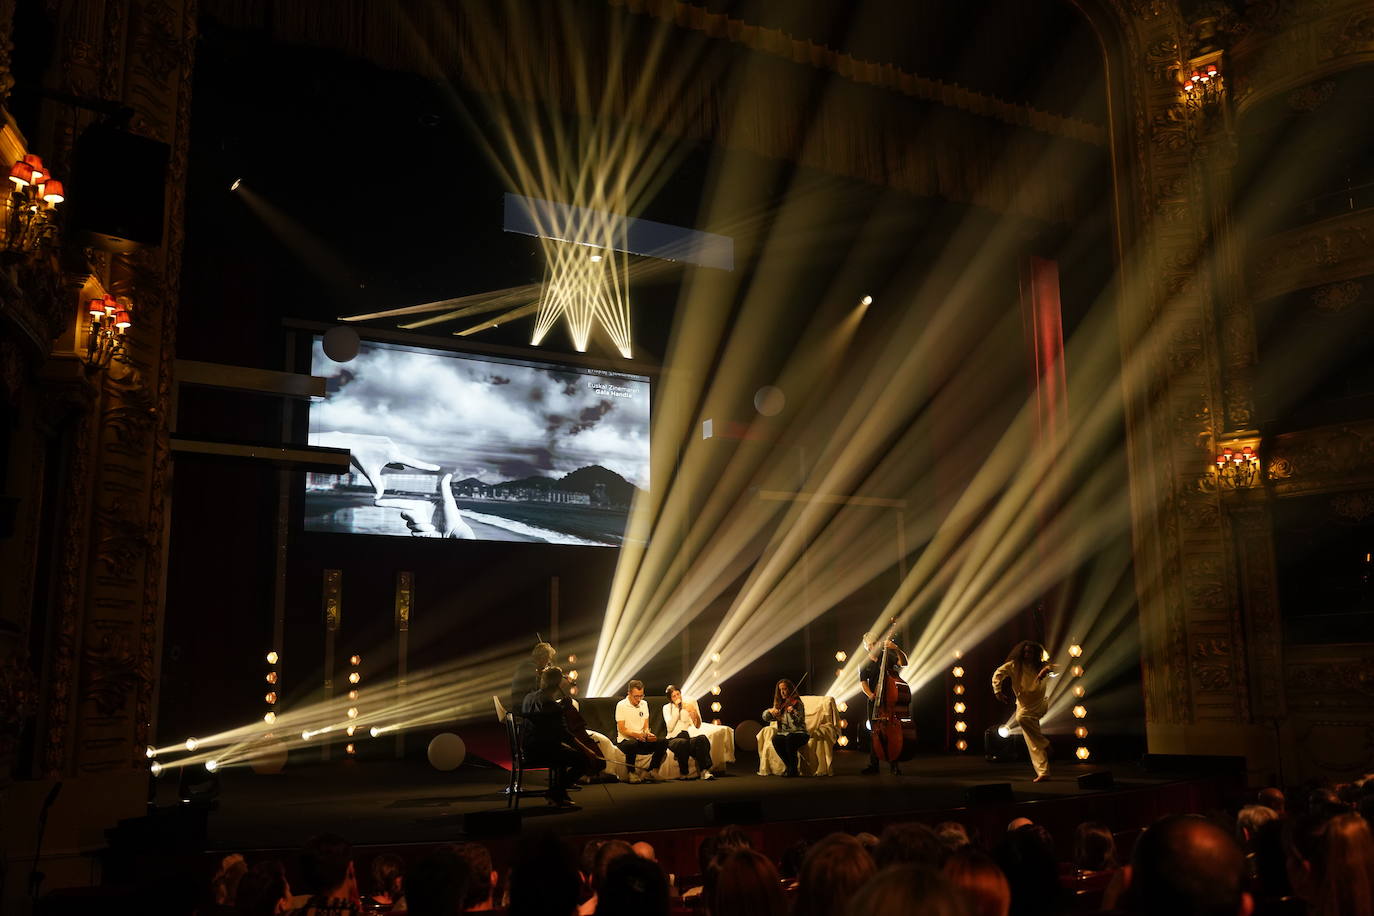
x: 818, y: 757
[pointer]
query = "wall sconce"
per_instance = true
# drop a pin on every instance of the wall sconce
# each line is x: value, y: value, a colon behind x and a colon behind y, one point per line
x: 110, y: 318
x: 32, y: 221
x: 1237, y: 470
x: 1203, y: 87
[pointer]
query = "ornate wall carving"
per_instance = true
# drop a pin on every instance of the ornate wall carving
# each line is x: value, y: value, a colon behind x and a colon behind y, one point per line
x: 1293, y: 44
x: 1322, y: 460
x: 1316, y: 255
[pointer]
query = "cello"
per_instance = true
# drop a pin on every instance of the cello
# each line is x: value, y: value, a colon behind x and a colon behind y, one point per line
x: 894, y: 732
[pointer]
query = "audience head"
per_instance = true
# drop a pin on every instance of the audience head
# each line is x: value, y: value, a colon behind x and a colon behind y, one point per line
x: 263, y: 890
x: 644, y: 851
x: 982, y: 883
x: 742, y: 882
x: 387, y: 873
x: 327, y: 861
x: 909, y: 843
x: 1094, y: 847
x: 608, y: 852
x: 908, y: 890
x: 1187, y: 866
x: 953, y: 835
x: 1272, y: 799
x: 633, y: 886
x: 869, y: 840
x: 732, y: 836
x: 793, y: 856
x: 543, y: 877
x: 224, y: 885
x: 438, y: 884
x: 1331, y: 864
x: 1028, y: 859
x: 1017, y: 823
x: 833, y: 870
x: 481, y: 876
x: 1248, y: 822
x: 706, y: 853
x: 550, y: 677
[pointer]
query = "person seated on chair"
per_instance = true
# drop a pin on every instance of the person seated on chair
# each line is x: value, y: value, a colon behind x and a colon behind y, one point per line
x: 686, y: 739
x: 546, y: 740
x: 789, y: 715
x: 634, y: 737
x: 526, y: 677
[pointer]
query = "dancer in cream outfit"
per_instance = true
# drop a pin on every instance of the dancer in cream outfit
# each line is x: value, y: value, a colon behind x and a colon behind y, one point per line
x: 1026, y: 672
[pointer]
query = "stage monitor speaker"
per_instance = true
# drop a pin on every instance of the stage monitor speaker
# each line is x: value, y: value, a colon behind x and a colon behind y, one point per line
x: 1201, y: 764
x: 118, y: 186
x: 992, y: 793
x: 496, y: 822
x: 744, y: 811
x: 1099, y: 780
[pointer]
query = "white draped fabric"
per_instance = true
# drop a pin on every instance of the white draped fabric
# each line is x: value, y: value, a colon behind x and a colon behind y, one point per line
x: 818, y: 757
x: 722, y: 740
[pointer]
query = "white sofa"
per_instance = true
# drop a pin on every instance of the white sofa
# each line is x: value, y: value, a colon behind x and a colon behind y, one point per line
x: 722, y: 740
x: 818, y: 757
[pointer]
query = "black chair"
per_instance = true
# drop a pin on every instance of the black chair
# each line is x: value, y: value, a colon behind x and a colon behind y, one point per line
x: 515, y: 736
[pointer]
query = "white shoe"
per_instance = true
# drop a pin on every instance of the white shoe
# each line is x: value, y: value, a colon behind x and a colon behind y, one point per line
x: 634, y: 778
x: 708, y: 775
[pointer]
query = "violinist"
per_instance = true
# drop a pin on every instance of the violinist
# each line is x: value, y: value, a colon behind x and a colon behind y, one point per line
x: 686, y: 738
x: 870, y: 681
x: 789, y: 715
x: 1026, y: 672
x: 547, y: 741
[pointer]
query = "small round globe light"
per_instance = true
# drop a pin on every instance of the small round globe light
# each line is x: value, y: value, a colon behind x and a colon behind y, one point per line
x: 572, y: 675
x: 866, y: 300
x: 1081, y: 753
x: 1078, y: 690
x: 715, y: 690
x: 350, y: 749
x: 961, y: 744
x: 355, y: 660
x: 959, y: 708
x: 270, y: 698
x: 353, y: 712
x: 150, y: 752
x: 1076, y: 671
x: 1075, y: 650
x: 269, y: 718
x: 961, y: 726
x: 374, y: 731
x: 1080, y: 732
x: 211, y: 765
x: 1079, y: 712
x: 841, y: 655
x: 959, y: 689
x: 958, y: 671
x: 155, y: 768
x: 1003, y: 731
x: 573, y: 690
x: 351, y: 730
x: 958, y: 655
x: 272, y: 658
x: 192, y: 744
x: 353, y: 694
x: 572, y: 659
x: 271, y: 677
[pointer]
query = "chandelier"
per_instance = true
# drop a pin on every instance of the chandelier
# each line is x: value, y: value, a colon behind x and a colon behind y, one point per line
x: 111, y: 318
x: 1237, y: 470
x: 32, y: 221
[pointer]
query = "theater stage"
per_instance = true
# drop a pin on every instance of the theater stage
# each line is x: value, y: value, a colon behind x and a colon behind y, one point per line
x: 380, y: 803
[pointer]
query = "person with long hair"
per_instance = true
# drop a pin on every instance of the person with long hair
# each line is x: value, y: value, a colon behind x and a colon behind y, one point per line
x: 908, y: 890
x: 1331, y: 864
x: 789, y: 715
x: 742, y: 882
x: 1022, y: 678
x: 687, y: 739
x: 982, y: 883
x: 832, y: 872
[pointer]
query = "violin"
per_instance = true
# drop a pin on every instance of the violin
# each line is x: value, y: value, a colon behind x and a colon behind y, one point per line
x: 894, y: 732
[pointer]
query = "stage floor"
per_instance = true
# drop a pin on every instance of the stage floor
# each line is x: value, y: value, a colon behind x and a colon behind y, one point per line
x: 397, y: 802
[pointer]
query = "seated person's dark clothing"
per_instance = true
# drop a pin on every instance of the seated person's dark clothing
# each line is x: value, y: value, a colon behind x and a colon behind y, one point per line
x: 525, y: 679
x: 546, y: 742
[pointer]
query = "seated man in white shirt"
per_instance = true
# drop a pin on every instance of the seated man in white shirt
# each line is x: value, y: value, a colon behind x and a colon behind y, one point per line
x: 634, y: 737
x: 686, y: 738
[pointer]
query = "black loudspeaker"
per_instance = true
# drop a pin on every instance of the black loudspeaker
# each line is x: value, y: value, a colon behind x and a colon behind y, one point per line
x: 1099, y: 780
x: 496, y: 822
x: 992, y: 793
x: 746, y: 811
x: 1201, y: 764
x: 118, y: 186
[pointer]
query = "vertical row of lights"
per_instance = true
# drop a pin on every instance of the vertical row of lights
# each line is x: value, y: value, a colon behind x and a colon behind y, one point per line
x: 1080, y: 712
x: 572, y: 674
x: 843, y: 741
x: 355, y: 677
x: 272, y: 677
x: 960, y: 724
x: 716, y: 706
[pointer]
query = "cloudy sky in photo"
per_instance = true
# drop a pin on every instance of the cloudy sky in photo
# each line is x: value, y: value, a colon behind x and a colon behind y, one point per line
x: 491, y: 420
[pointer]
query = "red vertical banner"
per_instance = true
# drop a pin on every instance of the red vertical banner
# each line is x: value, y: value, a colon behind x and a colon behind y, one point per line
x: 1043, y: 325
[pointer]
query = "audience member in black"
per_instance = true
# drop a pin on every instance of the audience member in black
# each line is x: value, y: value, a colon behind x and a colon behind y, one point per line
x: 1027, y: 858
x: 327, y: 861
x: 1094, y: 848
x: 547, y: 741
x: 438, y: 884
x: 1249, y: 820
x: 834, y: 870
x: 633, y: 886
x: 1331, y: 865
x: 482, y: 878
x: 607, y: 851
x: 263, y: 890
x: 543, y: 877
x: 388, y: 873
x: 742, y: 882
x: 909, y: 843
x: 908, y: 890
x: 789, y: 866
x: 1185, y: 866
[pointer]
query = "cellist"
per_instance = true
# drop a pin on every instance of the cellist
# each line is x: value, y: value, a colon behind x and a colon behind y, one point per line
x: 871, y: 682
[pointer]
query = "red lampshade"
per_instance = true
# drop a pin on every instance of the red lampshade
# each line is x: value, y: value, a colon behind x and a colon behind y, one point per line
x: 21, y: 173
x: 33, y: 160
x: 122, y: 319
x: 110, y: 305
x: 97, y: 307
x: 52, y: 192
